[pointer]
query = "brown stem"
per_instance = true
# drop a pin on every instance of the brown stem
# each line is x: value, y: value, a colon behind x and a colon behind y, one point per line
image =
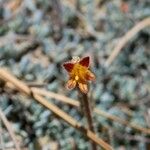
x: 86, y: 107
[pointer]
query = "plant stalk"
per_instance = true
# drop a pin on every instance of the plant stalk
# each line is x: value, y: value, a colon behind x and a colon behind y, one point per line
x: 86, y: 108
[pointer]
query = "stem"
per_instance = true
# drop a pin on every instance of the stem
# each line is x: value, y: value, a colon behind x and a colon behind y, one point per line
x: 9, y: 128
x: 85, y: 105
x: 1, y: 137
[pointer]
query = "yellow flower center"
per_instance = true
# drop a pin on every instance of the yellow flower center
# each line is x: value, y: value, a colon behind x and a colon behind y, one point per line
x: 78, y: 73
x: 76, y: 78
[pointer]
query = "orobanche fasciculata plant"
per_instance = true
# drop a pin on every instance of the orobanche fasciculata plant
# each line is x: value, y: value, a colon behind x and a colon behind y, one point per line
x: 79, y: 76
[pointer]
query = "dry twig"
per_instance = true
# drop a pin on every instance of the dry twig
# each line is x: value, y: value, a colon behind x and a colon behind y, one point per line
x: 1, y: 137
x: 75, y: 103
x: 22, y: 87
x: 9, y: 128
x: 127, y: 37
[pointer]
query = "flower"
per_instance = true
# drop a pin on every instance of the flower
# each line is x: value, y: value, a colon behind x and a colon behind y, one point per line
x: 79, y: 73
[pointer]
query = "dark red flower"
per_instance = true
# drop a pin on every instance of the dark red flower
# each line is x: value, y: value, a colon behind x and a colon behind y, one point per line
x: 79, y: 73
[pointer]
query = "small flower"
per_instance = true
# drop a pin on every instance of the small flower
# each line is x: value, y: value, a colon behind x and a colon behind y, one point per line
x: 79, y: 73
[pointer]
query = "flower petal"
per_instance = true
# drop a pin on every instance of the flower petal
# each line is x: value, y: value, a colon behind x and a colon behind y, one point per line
x: 83, y: 87
x: 68, y: 66
x: 71, y: 84
x: 90, y: 76
x: 85, y: 61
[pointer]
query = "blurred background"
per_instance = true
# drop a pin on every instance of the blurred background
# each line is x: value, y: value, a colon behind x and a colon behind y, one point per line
x: 38, y: 36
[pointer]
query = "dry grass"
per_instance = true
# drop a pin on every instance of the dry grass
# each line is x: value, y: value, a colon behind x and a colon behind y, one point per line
x: 23, y: 88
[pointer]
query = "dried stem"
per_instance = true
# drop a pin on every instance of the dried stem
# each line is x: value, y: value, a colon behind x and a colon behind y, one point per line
x: 1, y: 137
x: 97, y: 111
x: 86, y: 107
x: 75, y: 103
x: 57, y: 19
x: 9, y: 128
x: 127, y: 37
x: 23, y: 88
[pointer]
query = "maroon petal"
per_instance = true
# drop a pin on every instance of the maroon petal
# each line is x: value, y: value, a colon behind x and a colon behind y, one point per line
x: 85, y: 61
x: 68, y: 66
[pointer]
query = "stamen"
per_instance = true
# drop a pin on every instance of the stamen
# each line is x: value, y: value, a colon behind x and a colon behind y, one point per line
x: 76, y: 78
x: 75, y: 59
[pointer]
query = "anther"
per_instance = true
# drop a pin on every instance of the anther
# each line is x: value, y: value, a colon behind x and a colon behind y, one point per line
x: 76, y: 78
